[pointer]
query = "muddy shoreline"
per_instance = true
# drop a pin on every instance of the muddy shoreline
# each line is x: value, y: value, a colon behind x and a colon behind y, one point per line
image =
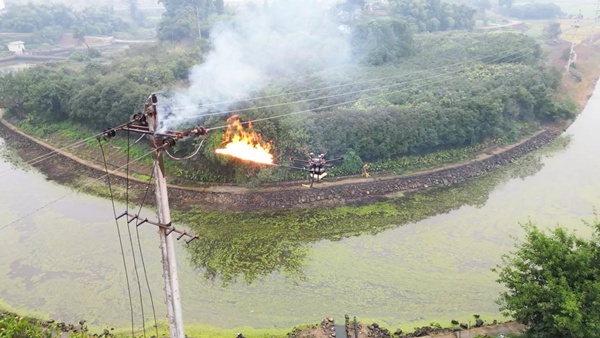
x: 66, y: 169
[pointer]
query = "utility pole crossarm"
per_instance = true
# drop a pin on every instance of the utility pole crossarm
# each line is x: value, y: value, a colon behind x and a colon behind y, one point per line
x: 168, y: 227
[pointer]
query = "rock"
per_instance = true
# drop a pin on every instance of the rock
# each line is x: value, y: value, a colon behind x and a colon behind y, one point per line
x: 454, y: 322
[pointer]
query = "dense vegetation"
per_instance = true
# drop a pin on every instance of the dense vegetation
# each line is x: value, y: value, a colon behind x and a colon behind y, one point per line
x: 13, y: 326
x: 433, y: 15
x: 403, y: 95
x: 50, y: 21
x: 552, y: 282
x: 444, y: 95
x: 184, y: 19
x: 92, y: 93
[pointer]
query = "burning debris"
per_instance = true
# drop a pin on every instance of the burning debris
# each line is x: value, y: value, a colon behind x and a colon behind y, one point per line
x: 245, y: 143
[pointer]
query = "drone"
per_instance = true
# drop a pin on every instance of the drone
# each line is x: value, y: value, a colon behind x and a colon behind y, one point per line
x: 316, y: 166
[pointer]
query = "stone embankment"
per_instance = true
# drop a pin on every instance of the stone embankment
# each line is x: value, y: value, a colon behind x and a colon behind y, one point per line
x: 69, y: 170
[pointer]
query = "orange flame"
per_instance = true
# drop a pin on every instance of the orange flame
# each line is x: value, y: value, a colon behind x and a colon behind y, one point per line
x: 245, y: 144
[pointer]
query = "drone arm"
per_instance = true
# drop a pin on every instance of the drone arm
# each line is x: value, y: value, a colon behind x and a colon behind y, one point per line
x: 297, y: 160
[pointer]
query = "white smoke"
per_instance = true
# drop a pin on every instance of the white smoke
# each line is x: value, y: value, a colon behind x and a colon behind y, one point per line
x: 287, y: 38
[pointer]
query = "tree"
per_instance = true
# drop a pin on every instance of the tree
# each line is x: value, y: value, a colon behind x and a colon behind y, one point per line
x: 552, y: 30
x: 182, y: 18
x: 553, y: 283
x: 79, y: 35
x: 381, y: 41
x: 352, y: 164
x: 433, y: 15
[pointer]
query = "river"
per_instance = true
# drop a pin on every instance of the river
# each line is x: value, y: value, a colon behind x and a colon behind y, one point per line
x: 422, y: 258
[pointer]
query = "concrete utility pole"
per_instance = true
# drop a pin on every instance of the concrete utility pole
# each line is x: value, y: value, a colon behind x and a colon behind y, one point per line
x: 167, y: 248
x: 198, y: 22
x: 147, y: 123
x: 596, y: 17
x: 572, y: 51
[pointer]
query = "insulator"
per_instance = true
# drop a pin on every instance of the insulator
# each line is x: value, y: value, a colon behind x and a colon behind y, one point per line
x: 108, y: 133
x: 200, y: 130
x: 139, y: 118
x: 169, y: 142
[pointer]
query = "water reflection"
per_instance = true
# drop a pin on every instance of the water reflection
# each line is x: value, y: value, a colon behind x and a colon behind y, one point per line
x: 245, y: 247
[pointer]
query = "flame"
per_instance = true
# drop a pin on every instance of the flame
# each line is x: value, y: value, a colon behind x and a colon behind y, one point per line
x: 245, y: 144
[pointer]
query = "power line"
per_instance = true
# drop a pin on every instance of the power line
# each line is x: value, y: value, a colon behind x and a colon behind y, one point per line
x: 137, y: 276
x: 137, y: 224
x: 79, y: 143
x: 404, y: 63
x: 468, y: 61
x: 284, y: 115
x: 57, y: 151
x: 444, y: 77
x: 72, y: 192
x: 508, y: 53
x: 120, y: 240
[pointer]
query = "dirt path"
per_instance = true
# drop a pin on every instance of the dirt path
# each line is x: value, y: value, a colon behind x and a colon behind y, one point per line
x: 485, y: 154
x: 333, y: 191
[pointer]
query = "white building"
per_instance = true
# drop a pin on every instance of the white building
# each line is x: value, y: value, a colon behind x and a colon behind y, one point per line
x: 17, y: 47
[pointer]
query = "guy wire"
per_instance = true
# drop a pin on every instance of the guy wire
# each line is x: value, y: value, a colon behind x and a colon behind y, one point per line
x: 119, y: 233
x: 130, y: 237
x: 137, y: 222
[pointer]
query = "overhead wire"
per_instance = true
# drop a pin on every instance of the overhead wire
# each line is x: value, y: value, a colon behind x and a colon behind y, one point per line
x: 435, y: 69
x: 189, y: 156
x: 442, y: 77
x: 137, y: 276
x: 74, y: 191
x: 287, y: 114
x: 417, y: 80
x: 137, y: 223
x: 468, y: 61
x: 55, y: 152
x: 465, y: 62
x: 81, y: 142
x: 120, y: 239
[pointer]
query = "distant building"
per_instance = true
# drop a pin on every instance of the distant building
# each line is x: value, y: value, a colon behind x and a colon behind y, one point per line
x: 17, y: 47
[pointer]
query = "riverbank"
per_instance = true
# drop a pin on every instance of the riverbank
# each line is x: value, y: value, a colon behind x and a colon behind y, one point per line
x: 68, y: 169
x: 82, y: 173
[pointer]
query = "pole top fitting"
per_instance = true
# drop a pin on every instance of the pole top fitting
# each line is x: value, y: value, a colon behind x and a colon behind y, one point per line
x: 168, y: 142
x: 107, y: 134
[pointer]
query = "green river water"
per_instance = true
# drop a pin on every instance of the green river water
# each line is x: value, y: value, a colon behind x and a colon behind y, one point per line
x: 421, y: 258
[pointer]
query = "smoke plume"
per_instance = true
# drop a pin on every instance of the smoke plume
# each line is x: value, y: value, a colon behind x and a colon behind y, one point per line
x: 288, y: 38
